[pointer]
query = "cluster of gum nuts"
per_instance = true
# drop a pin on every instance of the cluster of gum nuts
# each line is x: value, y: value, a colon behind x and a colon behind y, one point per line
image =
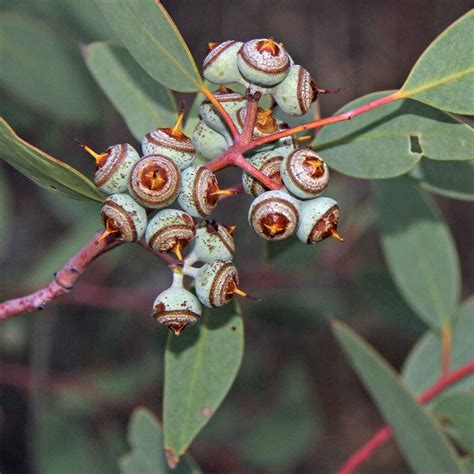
x: 168, y: 172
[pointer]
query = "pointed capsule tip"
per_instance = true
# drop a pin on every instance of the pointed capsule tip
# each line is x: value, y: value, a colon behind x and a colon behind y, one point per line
x: 336, y: 236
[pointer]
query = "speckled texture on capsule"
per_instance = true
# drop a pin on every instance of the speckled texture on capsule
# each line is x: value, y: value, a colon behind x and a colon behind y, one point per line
x: 263, y: 67
x: 215, y: 282
x: 230, y: 101
x: 160, y: 142
x: 127, y: 216
x: 220, y: 65
x: 300, y: 178
x: 295, y: 94
x: 213, y: 242
x: 112, y: 176
x: 176, y: 308
x: 318, y: 216
x: 154, y: 198
x: 207, y: 141
x: 277, y: 205
x: 194, y: 198
x: 168, y: 227
x: 269, y: 164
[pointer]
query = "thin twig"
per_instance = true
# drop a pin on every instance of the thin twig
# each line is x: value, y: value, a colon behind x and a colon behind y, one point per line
x: 230, y: 123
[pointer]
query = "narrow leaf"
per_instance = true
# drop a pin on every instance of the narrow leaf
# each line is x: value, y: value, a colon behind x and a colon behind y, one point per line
x: 390, y: 140
x: 450, y: 179
x: 144, y: 104
x: 443, y: 76
x: 419, y: 250
x: 147, y: 456
x: 45, y: 70
x: 151, y: 37
x: 420, y: 439
x: 43, y: 169
x: 200, y: 367
x: 422, y: 367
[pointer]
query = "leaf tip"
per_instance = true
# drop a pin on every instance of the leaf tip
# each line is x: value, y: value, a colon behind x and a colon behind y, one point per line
x: 171, y: 458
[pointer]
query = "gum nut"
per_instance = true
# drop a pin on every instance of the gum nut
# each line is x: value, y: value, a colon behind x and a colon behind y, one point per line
x: 319, y: 220
x: 124, y: 216
x: 220, y: 65
x: 213, y: 242
x: 216, y: 282
x: 274, y: 215
x: 269, y: 164
x: 208, y: 142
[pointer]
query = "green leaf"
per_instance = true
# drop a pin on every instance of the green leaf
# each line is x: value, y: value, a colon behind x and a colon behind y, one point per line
x: 453, y: 180
x: 144, y: 104
x: 390, y: 140
x: 147, y: 455
x: 43, y: 169
x: 419, y: 437
x: 287, y: 431
x: 5, y: 211
x: 419, y: 250
x: 151, y: 37
x: 200, y: 367
x: 443, y: 76
x: 422, y: 368
x: 456, y: 411
x: 45, y: 70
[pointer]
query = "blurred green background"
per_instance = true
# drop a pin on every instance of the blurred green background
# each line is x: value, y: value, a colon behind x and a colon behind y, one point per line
x: 71, y: 375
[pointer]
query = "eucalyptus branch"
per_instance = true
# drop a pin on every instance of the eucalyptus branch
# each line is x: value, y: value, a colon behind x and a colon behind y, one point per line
x: 384, y: 433
x: 63, y: 281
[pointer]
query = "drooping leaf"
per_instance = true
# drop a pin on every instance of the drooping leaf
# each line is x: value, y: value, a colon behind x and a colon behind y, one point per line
x: 144, y: 104
x: 422, y: 368
x: 419, y: 437
x: 45, y: 70
x: 147, y: 456
x: 200, y: 367
x: 43, y: 169
x: 151, y: 37
x: 456, y: 411
x: 419, y: 250
x: 443, y: 76
x: 390, y: 140
x: 451, y: 179
x: 286, y: 431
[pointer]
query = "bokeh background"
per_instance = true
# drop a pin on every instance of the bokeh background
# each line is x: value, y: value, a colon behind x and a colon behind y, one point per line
x: 71, y: 375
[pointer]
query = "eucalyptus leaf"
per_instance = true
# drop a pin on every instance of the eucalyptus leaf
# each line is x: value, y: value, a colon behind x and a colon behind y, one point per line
x: 443, y: 76
x: 43, y: 169
x: 419, y: 250
x: 200, y: 367
x: 147, y: 456
x: 151, y: 37
x: 451, y: 179
x: 422, y: 368
x: 45, y: 70
x: 143, y: 104
x: 390, y: 140
x: 418, y: 435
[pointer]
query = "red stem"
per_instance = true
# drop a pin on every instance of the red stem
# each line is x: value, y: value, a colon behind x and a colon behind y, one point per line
x: 228, y: 120
x: 384, y: 434
x: 63, y: 280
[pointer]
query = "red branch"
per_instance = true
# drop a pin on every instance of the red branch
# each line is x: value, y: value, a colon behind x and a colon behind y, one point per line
x: 384, y: 433
x: 63, y: 280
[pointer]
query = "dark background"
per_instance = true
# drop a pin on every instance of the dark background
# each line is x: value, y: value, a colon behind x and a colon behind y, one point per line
x: 104, y: 324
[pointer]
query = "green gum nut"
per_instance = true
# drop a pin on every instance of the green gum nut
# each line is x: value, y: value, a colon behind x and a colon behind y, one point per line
x: 171, y: 143
x: 208, y: 142
x: 230, y: 101
x: 198, y: 191
x: 176, y: 308
x: 123, y: 217
x: 304, y: 173
x: 112, y: 175
x: 170, y: 230
x: 269, y: 164
x: 216, y: 282
x: 263, y: 62
x: 295, y: 94
x: 220, y: 65
x: 319, y: 220
x: 154, y: 181
x: 214, y: 242
x: 274, y: 215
